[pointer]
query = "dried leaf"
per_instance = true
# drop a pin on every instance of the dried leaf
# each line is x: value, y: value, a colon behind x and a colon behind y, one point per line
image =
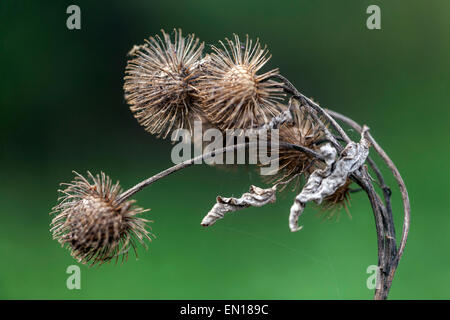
x: 325, y: 182
x: 256, y: 197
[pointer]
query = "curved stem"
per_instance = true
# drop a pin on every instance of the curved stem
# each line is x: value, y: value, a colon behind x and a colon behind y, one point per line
x: 290, y: 88
x: 141, y: 185
x: 401, y: 184
x: 388, y: 256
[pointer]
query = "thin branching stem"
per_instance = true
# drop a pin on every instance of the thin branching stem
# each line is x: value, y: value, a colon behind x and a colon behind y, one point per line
x: 401, y: 184
x: 388, y: 255
x: 141, y: 185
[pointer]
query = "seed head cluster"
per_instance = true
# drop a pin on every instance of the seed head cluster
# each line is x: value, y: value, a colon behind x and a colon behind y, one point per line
x: 93, y: 224
x: 170, y: 82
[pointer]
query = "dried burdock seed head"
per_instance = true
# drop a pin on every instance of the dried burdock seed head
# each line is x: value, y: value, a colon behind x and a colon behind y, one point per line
x: 94, y: 225
x: 332, y: 205
x: 303, y: 131
x: 235, y: 96
x: 161, y: 82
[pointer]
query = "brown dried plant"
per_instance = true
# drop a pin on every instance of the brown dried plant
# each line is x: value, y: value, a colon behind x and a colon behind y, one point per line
x: 161, y: 83
x: 301, y: 131
x: 333, y: 204
x: 168, y: 84
x: 94, y: 224
x: 234, y: 94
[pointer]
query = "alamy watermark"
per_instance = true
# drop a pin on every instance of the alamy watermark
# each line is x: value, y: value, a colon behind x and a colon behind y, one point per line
x: 73, y: 21
x: 374, y: 20
x: 74, y: 280
x: 373, y: 281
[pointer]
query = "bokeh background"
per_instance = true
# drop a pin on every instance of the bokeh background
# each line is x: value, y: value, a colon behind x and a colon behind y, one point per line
x: 62, y: 109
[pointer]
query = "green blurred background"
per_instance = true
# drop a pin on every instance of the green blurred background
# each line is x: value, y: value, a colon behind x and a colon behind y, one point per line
x: 62, y: 109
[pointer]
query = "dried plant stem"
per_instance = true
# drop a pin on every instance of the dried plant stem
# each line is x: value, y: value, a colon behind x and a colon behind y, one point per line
x: 141, y: 185
x: 372, y: 164
x: 290, y: 88
x: 383, y: 214
x: 401, y: 184
x: 168, y: 86
x: 362, y: 178
x: 388, y: 255
x: 328, y: 134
